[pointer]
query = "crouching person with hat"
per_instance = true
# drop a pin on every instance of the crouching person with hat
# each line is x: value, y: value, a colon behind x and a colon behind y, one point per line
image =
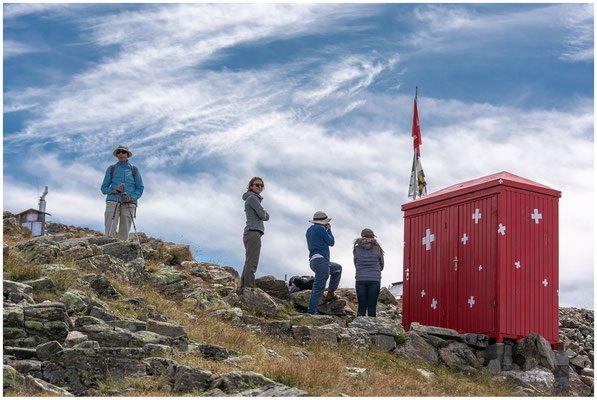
x: 319, y: 239
x: 123, y: 186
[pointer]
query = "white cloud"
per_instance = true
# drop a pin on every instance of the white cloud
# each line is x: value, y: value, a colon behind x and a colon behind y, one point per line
x: 444, y: 28
x: 13, y: 48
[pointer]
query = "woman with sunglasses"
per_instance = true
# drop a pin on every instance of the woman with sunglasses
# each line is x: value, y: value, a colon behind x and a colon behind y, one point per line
x: 254, y: 229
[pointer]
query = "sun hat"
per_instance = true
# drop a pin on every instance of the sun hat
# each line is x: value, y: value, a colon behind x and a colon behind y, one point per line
x: 122, y: 147
x: 367, y: 233
x: 320, y: 218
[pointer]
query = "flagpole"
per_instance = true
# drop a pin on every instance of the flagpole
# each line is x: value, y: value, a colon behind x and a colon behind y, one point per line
x: 413, y: 179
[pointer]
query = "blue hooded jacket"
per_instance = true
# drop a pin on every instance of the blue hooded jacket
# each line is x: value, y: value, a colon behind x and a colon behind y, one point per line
x: 319, y: 240
x: 123, y: 172
x: 368, y: 261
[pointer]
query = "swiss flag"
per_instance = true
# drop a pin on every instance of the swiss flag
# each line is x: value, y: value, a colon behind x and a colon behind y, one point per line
x: 416, y: 134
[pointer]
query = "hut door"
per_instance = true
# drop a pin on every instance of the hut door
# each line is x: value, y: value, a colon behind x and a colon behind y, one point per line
x: 475, y: 269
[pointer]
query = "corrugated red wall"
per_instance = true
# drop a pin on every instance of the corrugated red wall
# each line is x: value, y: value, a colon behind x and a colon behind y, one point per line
x: 463, y: 270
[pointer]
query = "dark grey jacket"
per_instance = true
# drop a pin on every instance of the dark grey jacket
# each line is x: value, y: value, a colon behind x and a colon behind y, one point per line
x: 256, y: 214
x: 368, y: 261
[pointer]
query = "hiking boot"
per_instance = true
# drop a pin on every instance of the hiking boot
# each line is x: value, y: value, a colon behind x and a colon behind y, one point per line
x: 331, y: 295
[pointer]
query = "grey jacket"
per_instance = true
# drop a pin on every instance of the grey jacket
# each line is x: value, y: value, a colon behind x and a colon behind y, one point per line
x: 256, y: 214
x: 368, y: 261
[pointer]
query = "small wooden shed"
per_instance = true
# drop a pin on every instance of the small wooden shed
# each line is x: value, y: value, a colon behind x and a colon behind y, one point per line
x: 34, y: 220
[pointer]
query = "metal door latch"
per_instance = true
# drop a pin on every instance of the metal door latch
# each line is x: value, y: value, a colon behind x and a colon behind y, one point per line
x: 455, y: 263
x: 407, y: 273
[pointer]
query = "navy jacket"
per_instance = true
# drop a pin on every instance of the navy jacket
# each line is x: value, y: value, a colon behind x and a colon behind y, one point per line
x: 319, y: 240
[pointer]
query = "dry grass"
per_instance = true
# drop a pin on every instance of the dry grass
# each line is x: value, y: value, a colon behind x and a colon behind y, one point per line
x: 17, y: 269
x: 321, y: 374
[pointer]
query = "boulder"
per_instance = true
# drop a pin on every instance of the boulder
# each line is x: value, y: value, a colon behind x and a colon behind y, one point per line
x: 377, y: 326
x: 30, y: 325
x: 102, y: 286
x: 179, y: 252
x: 213, y: 352
x: 191, y: 379
x: 39, y: 250
x: 46, y: 351
x: 458, y: 356
x: 166, y: 329
x: 315, y: 334
x: 204, y: 298
x: 168, y: 281
x: 161, y: 366
x: 475, y: 340
x: 356, y: 337
x: 76, y: 301
x: 16, y: 292
x: 238, y: 381
x: 444, y: 333
x: 123, y: 250
x: 81, y: 251
x: 91, y: 365
x: 75, y: 337
x: 44, y: 283
x: 20, y: 353
x: 108, y: 336
x: 539, y: 379
x: 577, y: 386
x: 130, y: 324
x: 274, y: 287
x: 386, y: 297
x: 5, y: 251
x: 534, y: 350
x: 275, y: 390
x: 259, y: 301
x: 416, y: 348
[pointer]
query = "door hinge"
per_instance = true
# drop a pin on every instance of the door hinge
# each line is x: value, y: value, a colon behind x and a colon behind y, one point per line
x: 456, y: 263
x: 407, y: 273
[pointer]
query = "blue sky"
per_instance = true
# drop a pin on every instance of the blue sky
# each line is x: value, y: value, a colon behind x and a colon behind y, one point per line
x: 316, y: 99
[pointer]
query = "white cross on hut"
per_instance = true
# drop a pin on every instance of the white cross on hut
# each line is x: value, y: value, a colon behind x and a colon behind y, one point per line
x: 434, y: 304
x: 423, y: 293
x: 428, y: 239
x: 536, y: 216
x: 477, y: 216
x: 464, y: 239
x: 471, y: 301
x: 480, y: 267
x: 502, y: 229
x: 544, y: 282
x: 517, y: 263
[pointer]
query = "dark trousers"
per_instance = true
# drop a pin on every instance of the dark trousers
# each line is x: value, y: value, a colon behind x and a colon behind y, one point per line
x: 367, y: 293
x: 252, y: 242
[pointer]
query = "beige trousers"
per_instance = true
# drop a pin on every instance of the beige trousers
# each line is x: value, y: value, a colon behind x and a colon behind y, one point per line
x: 123, y: 218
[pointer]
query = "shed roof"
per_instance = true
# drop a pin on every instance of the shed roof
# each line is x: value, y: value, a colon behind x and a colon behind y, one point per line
x: 501, y: 178
x: 33, y: 209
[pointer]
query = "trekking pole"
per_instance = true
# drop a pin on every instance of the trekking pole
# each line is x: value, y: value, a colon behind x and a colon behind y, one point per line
x: 134, y: 226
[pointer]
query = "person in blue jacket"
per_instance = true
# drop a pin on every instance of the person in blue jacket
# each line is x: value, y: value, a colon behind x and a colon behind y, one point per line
x: 319, y: 239
x: 123, y: 186
x: 368, y: 262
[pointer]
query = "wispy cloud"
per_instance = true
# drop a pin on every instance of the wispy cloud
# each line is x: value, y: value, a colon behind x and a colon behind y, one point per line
x: 13, y: 48
x: 460, y: 28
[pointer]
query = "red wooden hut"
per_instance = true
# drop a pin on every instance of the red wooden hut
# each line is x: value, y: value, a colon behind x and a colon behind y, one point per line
x: 482, y: 257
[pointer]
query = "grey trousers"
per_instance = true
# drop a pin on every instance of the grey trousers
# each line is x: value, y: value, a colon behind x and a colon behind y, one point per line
x: 252, y: 241
x: 121, y: 219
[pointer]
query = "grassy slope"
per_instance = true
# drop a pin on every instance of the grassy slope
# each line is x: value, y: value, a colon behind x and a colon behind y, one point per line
x: 321, y: 374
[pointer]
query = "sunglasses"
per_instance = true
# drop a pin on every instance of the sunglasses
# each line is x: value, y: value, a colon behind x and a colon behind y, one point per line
x: 259, y: 185
x: 122, y: 152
